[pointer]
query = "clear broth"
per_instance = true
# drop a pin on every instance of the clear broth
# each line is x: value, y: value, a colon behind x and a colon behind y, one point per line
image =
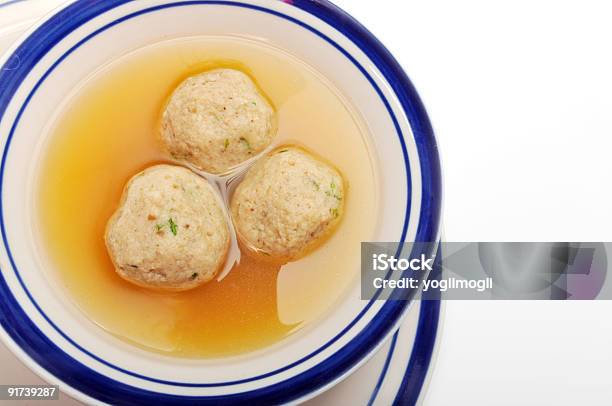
x: 108, y: 131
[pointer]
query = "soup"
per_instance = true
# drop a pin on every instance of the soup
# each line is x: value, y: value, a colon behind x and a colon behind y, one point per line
x: 108, y: 131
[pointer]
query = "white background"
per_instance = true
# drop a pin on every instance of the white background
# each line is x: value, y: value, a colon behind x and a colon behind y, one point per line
x: 520, y: 96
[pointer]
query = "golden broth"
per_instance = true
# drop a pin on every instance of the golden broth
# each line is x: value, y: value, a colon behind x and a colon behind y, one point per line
x: 108, y: 132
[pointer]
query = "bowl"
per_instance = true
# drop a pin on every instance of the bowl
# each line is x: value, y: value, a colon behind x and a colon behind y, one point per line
x: 58, y: 342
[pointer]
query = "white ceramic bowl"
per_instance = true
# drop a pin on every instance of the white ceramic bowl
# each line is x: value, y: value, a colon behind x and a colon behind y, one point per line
x: 57, y: 341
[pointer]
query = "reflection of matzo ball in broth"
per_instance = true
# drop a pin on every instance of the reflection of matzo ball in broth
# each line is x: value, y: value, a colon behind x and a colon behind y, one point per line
x: 170, y: 231
x: 288, y: 203
x: 217, y: 120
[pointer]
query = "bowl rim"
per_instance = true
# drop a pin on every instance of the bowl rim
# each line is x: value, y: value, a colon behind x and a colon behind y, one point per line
x: 27, y: 336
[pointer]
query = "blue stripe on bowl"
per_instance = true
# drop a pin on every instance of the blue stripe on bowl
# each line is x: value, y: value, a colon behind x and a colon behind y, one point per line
x: 385, y: 368
x: 48, y: 355
x: 9, y: 2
